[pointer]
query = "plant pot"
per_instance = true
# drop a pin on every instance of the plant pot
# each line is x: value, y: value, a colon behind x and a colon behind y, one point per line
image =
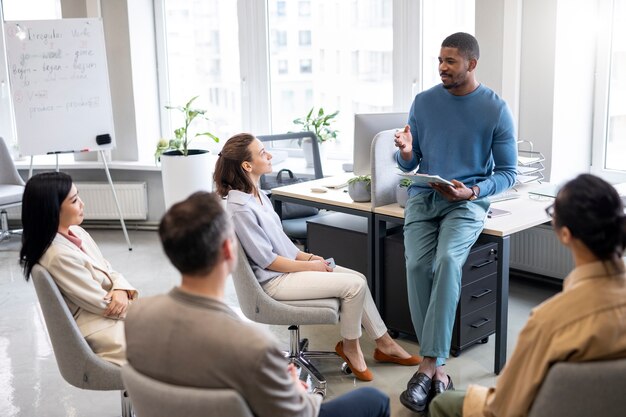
x: 360, y: 191
x: 307, y: 150
x: 184, y: 175
x: 402, y: 195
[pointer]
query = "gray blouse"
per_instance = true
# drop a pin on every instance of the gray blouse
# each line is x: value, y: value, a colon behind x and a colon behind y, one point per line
x: 260, y: 232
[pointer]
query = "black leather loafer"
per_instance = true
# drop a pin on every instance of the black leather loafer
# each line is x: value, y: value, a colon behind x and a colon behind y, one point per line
x: 438, y: 387
x: 415, y: 398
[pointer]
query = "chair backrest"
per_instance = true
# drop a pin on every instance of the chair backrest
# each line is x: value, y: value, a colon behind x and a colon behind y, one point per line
x: 261, y: 308
x: 8, y: 172
x: 152, y: 398
x: 583, y: 389
x: 78, y: 364
x: 384, y: 178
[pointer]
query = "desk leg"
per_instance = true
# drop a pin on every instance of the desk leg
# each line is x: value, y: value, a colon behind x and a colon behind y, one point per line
x: 371, y: 258
x: 502, y: 302
x: 278, y: 207
x: 380, y: 231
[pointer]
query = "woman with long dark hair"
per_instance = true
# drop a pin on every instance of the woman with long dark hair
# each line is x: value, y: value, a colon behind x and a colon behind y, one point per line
x: 97, y: 295
x: 287, y: 273
x: 585, y: 322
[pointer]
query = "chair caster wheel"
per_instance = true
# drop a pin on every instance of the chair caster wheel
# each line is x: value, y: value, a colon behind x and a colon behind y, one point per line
x: 455, y: 353
x: 345, y: 368
x: 319, y: 391
x: 485, y: 340
x: 393, y: 333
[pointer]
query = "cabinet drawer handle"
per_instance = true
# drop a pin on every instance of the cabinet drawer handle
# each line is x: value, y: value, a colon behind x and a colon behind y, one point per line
x: 480, y: 323
x: 482, y: 294
x: 485, y: 263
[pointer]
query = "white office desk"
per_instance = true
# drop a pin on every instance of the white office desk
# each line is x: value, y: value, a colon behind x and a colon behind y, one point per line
x: 526, y: 212
x: 337, y: 198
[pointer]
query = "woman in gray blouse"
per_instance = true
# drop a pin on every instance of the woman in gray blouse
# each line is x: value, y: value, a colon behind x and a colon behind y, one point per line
x: 287, y: 273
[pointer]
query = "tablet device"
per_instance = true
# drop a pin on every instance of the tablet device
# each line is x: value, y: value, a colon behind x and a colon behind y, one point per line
x: 425, y: 179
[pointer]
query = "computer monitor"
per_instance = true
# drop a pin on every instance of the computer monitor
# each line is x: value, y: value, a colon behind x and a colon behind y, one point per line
x: 366, y: 126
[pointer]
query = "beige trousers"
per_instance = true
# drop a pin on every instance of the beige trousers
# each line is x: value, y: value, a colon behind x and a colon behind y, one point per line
x: 357, y: 305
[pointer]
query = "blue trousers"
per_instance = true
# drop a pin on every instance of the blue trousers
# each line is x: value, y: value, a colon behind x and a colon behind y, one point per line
x: 438, y: 236
x: 362, y: 402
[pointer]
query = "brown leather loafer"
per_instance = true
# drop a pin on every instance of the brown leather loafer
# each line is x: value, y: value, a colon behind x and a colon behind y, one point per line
x: 383, y: 357
x: 365, y: 375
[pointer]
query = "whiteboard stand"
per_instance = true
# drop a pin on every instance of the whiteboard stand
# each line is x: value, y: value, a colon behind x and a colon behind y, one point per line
x: 117, y: 202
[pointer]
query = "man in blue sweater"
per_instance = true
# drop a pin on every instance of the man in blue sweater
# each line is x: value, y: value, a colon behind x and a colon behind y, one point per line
x: 463, y: 132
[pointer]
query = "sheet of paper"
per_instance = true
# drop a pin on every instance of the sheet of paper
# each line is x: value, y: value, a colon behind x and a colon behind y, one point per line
x: 425, y: 179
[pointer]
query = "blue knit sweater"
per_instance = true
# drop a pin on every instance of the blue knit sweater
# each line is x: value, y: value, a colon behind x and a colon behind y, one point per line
x: 469, y: 138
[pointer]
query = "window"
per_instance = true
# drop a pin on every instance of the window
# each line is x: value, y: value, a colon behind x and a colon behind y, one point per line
x: 353, y: 75
x: 31, y: 9
x: 202, y: 54
x: 609, y: 140
x: 440, y: 20
x: 304, y: 8
x: 281, y: 8
x: 616, y: 117
x: 280, y: 38
x: 306, y: 66
x: 322, y: 81
x: 283, y: 66
x: 304, y: 37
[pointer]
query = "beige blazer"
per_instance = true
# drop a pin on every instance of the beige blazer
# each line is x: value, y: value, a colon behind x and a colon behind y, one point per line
x: 84, y: 278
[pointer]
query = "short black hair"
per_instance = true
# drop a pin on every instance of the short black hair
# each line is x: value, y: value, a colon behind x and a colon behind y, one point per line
x: 465, y: 43
x: 193, y: 231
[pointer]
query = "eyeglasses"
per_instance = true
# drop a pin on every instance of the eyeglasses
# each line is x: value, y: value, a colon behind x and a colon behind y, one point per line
x: 550, y: 210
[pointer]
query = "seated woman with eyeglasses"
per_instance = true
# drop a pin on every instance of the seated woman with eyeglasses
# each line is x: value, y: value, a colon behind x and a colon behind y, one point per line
x: 285, y: 272
x: 585, y: 322
x: 97, y: 296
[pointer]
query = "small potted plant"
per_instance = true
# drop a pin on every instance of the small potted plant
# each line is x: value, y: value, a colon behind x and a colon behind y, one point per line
x: 183, y: 170
x: 320, y: 124
x: 402, y: 191
x: 360, y: 188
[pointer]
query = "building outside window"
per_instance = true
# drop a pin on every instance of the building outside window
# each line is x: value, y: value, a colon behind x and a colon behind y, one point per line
x: 354, y: 75
x: 306, y: 66
x: 202, y: 52
x: 283, y: 66
x: 304, y: 37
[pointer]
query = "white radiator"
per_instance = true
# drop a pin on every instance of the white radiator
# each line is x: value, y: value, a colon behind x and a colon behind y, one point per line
x: 100, y: 204
x: 538, y: 250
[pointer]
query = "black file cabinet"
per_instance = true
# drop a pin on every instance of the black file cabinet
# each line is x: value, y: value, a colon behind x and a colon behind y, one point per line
x: 343, y: 237
x: 476, y: 311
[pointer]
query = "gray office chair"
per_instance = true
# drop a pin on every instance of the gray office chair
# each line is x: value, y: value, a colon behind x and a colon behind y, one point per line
x: 582, y: 389
x: 384, y: 179
x: 261, y: 308
x: 296, y: 228
x: 78, y: 364
x: 152, y: 398
x: 11, y: 189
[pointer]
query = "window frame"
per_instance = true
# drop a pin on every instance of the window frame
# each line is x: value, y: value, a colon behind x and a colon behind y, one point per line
x: 254, y: 61
x: 601, y: 96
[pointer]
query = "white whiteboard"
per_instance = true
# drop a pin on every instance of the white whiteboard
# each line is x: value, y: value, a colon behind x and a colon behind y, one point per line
x: 59, y: 84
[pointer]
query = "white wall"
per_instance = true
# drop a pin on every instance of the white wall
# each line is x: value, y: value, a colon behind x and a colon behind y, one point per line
x: 498, y: 31
x: 557, y: 81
